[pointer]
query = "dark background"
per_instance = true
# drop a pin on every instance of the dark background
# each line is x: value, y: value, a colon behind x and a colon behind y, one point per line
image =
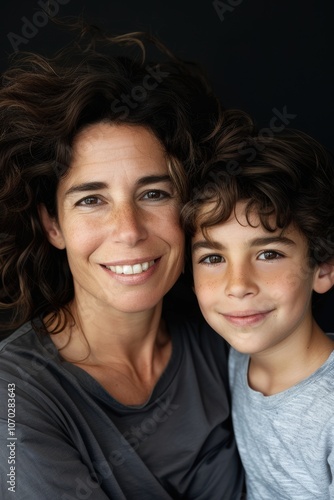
x: 260, y: 55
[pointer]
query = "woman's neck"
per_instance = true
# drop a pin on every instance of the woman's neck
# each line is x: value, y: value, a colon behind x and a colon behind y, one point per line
x: 125, y: 353
x: 104, y: 333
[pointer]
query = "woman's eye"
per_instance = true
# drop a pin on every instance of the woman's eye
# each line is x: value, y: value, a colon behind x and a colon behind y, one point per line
x: 212, y: 259
x: 270, y: 255
x: 89, y: 201
x: 156, y: 195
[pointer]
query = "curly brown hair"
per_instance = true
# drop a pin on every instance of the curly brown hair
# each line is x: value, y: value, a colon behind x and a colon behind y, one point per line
x: 44, y: 103
x: 287, y: 178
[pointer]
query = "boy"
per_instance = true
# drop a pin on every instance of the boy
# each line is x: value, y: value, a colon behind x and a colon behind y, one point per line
x: 262, y: 225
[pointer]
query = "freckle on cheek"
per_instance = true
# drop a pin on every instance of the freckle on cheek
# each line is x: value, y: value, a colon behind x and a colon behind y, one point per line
x: 207, y: 287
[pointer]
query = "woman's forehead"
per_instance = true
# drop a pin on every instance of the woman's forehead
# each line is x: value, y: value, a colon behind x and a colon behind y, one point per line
x: 107, y: 153
x: 105, y: 142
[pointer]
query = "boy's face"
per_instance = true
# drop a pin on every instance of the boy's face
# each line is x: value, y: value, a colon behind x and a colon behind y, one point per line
x: 254, y: 287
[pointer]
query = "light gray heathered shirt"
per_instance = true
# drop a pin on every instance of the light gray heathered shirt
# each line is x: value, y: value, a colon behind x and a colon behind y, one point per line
x: 286, y: 441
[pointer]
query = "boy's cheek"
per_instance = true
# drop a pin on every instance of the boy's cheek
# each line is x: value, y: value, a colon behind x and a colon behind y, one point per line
x: 294, y: 279
x: 205, y: 291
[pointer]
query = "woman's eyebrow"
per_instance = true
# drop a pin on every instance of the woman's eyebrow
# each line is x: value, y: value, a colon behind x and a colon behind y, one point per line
x: 86, y: 186
x: 152, y: 179
x: 95, y: 186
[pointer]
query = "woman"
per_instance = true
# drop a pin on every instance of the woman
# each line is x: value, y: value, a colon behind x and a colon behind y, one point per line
x: 107, y: 397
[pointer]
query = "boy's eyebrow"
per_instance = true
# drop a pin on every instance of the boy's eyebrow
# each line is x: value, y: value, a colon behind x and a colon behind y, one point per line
x: 268, y: 240
x: 257, y: 242
x: 96, y: 186
x: 209, y: 244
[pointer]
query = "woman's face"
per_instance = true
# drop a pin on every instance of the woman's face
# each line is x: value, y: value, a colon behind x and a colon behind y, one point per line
x: 118, y: 219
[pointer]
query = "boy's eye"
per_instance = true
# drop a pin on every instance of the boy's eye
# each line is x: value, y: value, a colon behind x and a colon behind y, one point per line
x: 270, y: 255
x: 212, y: 259
x: 156, y: 194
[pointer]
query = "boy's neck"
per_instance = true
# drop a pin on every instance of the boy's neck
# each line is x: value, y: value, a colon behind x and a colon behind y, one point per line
x: 293, y: 361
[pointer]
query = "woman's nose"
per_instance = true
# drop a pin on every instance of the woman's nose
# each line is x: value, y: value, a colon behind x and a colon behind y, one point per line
x: 129, y: 224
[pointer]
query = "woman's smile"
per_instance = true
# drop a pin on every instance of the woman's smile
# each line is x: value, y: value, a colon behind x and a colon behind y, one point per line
x: 133, y: 274
x: 138, y: 268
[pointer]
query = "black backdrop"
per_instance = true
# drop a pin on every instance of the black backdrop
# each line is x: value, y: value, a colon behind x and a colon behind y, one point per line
x: 261, y: 55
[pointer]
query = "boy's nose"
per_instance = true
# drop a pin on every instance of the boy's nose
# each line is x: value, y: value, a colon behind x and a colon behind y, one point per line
x: 240, y: 281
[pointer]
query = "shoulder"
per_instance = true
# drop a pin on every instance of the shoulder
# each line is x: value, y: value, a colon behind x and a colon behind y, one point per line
x: 26, y: 354
x: 20, y: 337
x: 26, y: 341
x: 323, y: 378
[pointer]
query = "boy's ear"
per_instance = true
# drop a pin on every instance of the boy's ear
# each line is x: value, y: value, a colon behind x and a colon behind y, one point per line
x: 51, y: 228
x: 324, y: 277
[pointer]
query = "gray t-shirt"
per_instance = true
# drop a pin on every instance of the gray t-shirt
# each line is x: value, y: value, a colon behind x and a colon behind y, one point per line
x: 68, y: 439
x: 286, y: 441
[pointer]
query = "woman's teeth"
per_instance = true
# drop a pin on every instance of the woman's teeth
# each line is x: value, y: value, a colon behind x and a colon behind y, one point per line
x: 136, y: 269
